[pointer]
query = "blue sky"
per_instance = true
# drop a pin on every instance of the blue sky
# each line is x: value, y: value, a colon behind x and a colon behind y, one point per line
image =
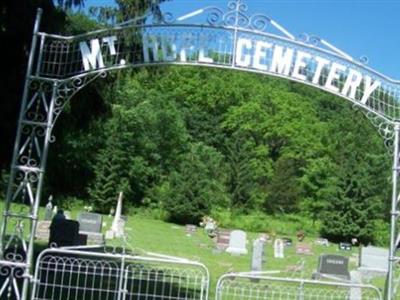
x: 358, y: 27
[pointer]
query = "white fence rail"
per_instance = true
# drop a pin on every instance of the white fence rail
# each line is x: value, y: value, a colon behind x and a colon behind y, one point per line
x: 242, y: 286
x: 63, y: 274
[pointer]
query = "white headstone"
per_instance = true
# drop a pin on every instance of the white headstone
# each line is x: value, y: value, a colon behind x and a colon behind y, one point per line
x: 374, y: 259
x: 237, y: 243
x: 278, y: 249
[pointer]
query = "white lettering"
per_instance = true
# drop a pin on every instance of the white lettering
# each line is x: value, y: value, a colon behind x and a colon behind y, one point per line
x: 353, y: 81
x: 369, y: 88
x: 150, y: 42
x: 321, y: 63
x: 243, y: 60
x: 168, y: 49
x: 334, y: 74
x: 92, y: 59
x: 202, y: 52
x: 281, y: 62
x: 110, y: 41
x: 260, y: 54
x: 300, y: 64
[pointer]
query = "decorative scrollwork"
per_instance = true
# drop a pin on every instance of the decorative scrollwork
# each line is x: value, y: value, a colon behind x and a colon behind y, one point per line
x: 313, y: 40
x: 384, y: 127
x: 236, y: 16
x: 364, y: 59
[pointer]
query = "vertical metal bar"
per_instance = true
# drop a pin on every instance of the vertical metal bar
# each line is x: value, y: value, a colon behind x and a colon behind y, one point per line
x: 40, y: 56
x: 393, y: 213
x: 122, y: 280
x: 19, y: 130
x: 235, y: 34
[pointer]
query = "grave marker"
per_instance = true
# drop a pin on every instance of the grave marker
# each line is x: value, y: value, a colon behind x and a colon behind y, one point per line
x: 223, y: 237
x: 334, y: 265
x: 190, y: 229
x: 90, y: 224
x: 374, y: 260
x: 345, y: 246
x: 304, y: 249
x: 278, y: 248
x: 43, y: 230
x: 237, y: 243
x: 257, y: 258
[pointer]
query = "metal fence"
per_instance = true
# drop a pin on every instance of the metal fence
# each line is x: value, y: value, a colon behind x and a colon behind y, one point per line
x: 65, y: 274
x: 242, y: 286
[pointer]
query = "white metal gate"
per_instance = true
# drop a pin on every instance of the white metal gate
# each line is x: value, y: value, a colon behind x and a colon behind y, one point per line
x: 242, y: 286
x: 65, y: 274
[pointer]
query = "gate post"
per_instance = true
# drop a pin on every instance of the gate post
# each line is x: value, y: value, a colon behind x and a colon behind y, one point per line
x: 394, y: 215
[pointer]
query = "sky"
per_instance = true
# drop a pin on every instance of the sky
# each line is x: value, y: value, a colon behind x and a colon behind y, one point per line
x: 368, y: 28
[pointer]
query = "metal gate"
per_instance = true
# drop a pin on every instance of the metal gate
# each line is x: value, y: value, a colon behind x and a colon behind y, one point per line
x: 242, y: 286
x: 66, y: 274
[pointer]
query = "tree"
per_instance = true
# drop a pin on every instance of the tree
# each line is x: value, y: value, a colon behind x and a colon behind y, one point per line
x: 196, y: 186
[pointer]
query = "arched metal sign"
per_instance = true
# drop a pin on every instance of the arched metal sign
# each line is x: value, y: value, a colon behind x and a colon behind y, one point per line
x: 60, y: 66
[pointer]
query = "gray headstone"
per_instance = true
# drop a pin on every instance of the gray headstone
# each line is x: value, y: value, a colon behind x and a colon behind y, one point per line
x: 258, y: 255
x: 334, y: 265
x: 237, y: 243
x: 43, y: 230
x: 374, y: 258
x: 279, y: 248
x: 90, y: 222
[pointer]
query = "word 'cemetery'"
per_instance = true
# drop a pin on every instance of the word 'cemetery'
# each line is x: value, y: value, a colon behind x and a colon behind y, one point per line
x: 261, y: 55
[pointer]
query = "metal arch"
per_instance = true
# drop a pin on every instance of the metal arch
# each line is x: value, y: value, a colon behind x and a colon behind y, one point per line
x: 56, y: 72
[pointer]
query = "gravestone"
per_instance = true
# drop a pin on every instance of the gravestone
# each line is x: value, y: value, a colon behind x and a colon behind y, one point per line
x: 223, y: 237
x: 190, y: 229
x: 43, y: 230
x: 257, y: 258
x: 90, y: 224
x: 333, y: 265
x: 345, y: 246
x: 279, y: 248
x: 303, y: 248
x: 322, y: 242
x: 48, y: 213
x: 287, y: 242
x: 64, y: 233
x: 264, y: 237
x: 373, y: 261
x: 237, y: 243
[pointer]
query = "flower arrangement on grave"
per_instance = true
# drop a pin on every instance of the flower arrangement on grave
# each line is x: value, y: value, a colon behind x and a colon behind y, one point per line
x: 209, y: 225
x: 300, y: 235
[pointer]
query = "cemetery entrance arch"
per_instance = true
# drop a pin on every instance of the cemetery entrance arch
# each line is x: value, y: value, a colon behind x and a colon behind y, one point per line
x: 60, y: 66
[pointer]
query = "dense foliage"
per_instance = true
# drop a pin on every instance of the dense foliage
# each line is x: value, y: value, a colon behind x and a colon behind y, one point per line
x: 193, y: 141
x: 196, y: 141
